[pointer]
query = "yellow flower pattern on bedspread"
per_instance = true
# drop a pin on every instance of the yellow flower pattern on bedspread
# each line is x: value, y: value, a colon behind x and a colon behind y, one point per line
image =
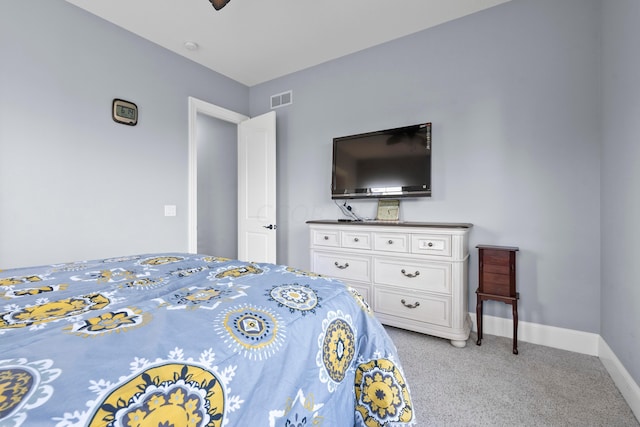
x: 178, y: 339
x: 52, y: 311
x: 170, y: 394
x: 381, y: 393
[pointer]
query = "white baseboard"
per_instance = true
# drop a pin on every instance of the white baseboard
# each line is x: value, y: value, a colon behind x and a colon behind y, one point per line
x: 568, y: 339
x: 621, y: 377
x: 551, y: 336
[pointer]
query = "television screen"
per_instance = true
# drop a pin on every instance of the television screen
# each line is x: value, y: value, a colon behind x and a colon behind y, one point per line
x: 388, y: 163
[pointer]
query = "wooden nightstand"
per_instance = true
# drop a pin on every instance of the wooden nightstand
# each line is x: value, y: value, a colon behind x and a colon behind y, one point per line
x: 497, y: 281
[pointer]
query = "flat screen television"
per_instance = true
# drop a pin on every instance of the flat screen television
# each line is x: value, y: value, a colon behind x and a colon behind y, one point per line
x: 383, y: 164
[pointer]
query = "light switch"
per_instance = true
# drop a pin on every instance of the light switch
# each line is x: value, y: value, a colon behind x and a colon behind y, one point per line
x: 169, y: 210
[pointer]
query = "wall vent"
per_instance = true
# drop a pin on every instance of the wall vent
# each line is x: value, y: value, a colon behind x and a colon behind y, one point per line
x: 281, y: 99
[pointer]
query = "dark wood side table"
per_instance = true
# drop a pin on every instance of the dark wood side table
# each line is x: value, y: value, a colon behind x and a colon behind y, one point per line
x: 497, y: 282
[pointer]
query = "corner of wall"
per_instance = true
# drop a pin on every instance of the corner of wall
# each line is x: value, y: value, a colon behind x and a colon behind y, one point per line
x: 621, y: 377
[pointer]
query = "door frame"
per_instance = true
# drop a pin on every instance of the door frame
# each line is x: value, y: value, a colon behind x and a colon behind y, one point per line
x: 198, y: 106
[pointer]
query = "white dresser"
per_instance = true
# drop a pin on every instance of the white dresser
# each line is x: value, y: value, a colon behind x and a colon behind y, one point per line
x: 414, y: 275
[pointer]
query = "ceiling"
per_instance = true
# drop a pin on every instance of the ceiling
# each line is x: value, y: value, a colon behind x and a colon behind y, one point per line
x: 253, y: 41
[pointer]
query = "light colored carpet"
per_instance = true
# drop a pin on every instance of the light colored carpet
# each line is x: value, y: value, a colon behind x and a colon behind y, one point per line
x: 488, y: 385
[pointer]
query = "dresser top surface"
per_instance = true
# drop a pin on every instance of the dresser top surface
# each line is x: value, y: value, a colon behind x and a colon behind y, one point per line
x: 393, y: 223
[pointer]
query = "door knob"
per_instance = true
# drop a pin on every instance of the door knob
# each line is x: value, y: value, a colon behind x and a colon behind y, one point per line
x: 270, y: 226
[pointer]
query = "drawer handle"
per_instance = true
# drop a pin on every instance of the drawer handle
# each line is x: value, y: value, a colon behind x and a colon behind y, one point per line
x: 342, y: 267
x: 415, y: 305
x: 409, y: 275
x: 390, y: 242
x: 355, y: 239
x: 430, y: 244
x: 326, y: 237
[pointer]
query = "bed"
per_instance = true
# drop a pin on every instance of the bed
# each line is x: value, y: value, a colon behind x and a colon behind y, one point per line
x: 177, y: 339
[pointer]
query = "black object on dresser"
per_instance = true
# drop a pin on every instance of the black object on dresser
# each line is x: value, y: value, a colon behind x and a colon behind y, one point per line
x: 497, y: 281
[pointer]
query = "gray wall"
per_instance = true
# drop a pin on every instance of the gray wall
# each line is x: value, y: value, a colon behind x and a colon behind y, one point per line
x: 513, y: 96
x: 514, y: 93
x: 620, y: 293
x: 73, y: 183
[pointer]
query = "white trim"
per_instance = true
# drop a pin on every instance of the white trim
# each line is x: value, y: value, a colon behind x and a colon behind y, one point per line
x: 551, y: 336
x: 571, y: 340
x: 621, y: 377
x: 197, y: 106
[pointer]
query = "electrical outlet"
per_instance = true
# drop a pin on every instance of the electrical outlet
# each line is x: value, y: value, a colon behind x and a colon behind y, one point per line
x: 169, y: 210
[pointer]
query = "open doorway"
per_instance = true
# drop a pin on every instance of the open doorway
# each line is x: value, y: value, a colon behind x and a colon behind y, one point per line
x: 217, y: 183
x: 209, y: 128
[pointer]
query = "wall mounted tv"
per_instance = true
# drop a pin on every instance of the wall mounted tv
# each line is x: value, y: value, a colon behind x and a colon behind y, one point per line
x: 389, y: 163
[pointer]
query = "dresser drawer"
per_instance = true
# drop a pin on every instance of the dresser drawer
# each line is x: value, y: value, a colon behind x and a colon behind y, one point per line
x: 431, y: 244
x: 355, y: 240
x: 343, y: 266
x: 326, y: 238
x: 412, y: 305
x: 395, y: 242
x: 418, y: 275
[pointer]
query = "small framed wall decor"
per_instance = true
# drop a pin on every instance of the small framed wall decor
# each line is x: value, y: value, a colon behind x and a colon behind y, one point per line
x: 388, y: 210
x: 124, y: 112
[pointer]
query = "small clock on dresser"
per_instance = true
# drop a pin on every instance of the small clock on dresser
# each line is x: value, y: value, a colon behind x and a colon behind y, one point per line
x: 388, y: 210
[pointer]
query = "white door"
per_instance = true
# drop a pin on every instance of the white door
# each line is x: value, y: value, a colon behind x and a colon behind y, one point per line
x: 257, y: 189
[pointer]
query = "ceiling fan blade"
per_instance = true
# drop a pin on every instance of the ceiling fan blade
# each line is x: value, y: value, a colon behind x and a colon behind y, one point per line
x: 219, y: 4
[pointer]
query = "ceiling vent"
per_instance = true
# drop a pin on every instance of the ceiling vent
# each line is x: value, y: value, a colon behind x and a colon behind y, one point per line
x: 281, y: 99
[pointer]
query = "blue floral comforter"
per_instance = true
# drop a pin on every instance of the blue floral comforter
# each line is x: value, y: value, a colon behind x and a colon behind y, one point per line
x: 182, y: 340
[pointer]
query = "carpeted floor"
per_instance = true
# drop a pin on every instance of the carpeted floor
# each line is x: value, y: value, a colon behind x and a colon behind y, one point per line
x: 488, y: 385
